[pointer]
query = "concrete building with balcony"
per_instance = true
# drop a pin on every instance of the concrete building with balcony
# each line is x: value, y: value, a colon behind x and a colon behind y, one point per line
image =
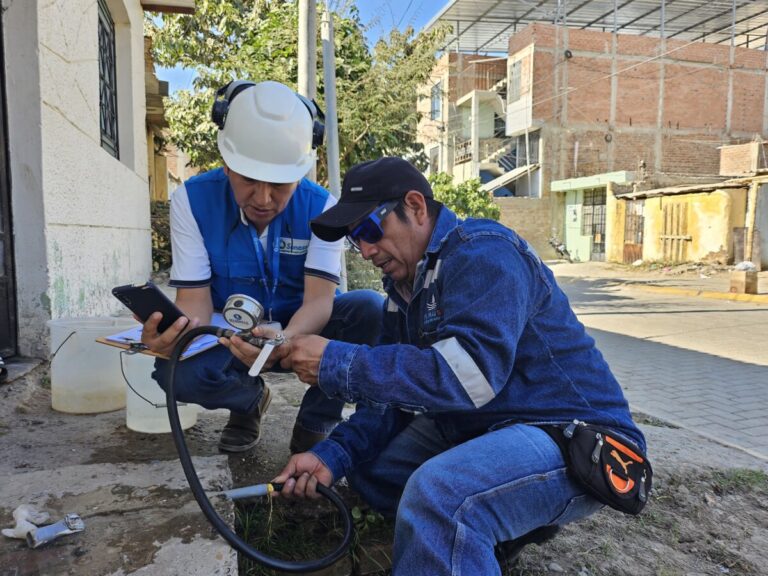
x: 597, y: 101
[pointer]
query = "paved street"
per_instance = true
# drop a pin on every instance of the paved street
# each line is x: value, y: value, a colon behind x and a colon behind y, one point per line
x: 698, y: 363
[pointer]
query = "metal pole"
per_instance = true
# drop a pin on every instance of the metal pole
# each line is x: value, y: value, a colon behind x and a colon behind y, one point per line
x: 307, y: 43
x: 331, y: 119
x: 307, y: 56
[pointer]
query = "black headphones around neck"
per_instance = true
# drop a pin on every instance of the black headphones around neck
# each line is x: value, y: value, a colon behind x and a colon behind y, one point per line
x: 227, y: 93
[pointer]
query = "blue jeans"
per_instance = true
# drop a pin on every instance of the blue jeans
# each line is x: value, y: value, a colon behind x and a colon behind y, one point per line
x: 454, y: 503
x: 216, y: 379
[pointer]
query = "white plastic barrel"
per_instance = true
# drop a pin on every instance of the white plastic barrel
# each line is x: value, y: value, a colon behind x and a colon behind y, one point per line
x: 149, y: 414
x: 85, y: 375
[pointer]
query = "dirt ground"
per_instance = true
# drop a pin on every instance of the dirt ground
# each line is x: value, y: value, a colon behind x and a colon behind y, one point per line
x: 708, y: 514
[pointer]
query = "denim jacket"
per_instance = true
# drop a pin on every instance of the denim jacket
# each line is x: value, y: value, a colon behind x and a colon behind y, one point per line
x: 488, y: 339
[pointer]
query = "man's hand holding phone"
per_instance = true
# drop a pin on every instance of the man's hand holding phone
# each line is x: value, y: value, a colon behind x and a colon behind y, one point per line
x: 163, y: 322
x: 163, y: 342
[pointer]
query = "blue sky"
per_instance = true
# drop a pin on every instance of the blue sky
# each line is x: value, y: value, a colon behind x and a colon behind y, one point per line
x: 379, y: 16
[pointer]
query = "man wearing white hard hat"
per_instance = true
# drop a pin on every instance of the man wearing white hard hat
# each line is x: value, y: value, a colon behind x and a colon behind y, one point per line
x: 244, y: 229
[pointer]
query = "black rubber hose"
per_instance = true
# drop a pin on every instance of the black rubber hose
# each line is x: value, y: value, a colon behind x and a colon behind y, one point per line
x: 205, y: 504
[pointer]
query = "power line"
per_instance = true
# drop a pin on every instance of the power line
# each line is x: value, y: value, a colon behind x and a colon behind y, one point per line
x: 410, y: 3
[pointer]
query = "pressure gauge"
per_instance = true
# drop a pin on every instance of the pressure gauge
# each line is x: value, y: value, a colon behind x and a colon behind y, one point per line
x: 243, y: 312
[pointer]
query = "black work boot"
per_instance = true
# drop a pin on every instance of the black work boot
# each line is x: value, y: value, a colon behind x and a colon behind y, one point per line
x: 508, y: 553
x: 302, y: 439
x: 242, y: 432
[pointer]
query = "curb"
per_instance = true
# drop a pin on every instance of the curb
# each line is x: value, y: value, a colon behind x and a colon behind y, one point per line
x: 752, y: 298
x: 698, y: 431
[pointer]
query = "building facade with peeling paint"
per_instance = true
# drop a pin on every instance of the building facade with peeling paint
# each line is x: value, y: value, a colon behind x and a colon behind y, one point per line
x: 723, y: 222
x: 75, y: 195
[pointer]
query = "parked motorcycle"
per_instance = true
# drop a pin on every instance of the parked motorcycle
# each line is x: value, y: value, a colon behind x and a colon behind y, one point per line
x: 560, y: 248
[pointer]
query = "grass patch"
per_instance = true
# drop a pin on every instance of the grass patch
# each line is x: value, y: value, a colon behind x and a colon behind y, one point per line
x: 727, y: 561
x: 308, y: 530
x: 647, y: 420
x: 739, y: 480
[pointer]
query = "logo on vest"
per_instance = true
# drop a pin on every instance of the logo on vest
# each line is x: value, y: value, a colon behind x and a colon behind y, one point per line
x: 432, y: 314
x: 293, y: 246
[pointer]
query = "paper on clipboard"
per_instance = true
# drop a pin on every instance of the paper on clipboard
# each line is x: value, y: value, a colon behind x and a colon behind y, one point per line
x: 132, y: 336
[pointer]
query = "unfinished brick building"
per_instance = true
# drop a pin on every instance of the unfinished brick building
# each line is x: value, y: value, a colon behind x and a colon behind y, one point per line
x: 583, y: 108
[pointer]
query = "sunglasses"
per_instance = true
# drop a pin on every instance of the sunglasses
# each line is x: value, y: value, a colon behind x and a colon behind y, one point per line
x: 369, y: 230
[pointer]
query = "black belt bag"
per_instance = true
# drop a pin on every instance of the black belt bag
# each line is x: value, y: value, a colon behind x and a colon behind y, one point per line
x: 613, y: 470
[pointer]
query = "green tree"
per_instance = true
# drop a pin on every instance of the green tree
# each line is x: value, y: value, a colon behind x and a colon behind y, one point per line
x: 258, y: 40
x: 466, y: 199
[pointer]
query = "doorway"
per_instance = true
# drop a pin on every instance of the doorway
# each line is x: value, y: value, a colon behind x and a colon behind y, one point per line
x: 633, y: 231
x: 593, y: 222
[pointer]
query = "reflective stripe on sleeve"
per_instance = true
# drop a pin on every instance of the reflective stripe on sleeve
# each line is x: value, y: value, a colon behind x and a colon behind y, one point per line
x: 466, y: 371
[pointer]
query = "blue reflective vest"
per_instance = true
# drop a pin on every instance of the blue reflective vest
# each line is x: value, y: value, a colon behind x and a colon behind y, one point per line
x: 234, y: 263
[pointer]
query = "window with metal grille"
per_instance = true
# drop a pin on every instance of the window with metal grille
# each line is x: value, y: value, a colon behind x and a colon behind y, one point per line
x: 107, y: 81
x: 515, y: 75
x: 436, y: 102
x: 518, y: 156
x: 593, y: 212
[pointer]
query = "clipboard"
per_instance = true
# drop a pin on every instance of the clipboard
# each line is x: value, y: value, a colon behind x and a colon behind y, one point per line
x: 130, y: 339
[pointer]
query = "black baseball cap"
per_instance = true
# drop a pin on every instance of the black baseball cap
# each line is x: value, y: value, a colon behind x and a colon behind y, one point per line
x: 366, y: 186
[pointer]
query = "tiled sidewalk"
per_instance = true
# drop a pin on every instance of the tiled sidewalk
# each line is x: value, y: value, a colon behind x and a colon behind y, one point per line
x: 719, y: 398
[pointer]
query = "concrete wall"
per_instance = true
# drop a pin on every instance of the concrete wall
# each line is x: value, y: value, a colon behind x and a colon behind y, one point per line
x: 443, y: 130
x: 462, y: 172
x: 761, y: 224
x: 519, y: 112
x: 80, y: 216
x: 528, y: 217
x: 615, y: 216
x: 711, y: 219
x: 430, y: 132
x: 579, y: 245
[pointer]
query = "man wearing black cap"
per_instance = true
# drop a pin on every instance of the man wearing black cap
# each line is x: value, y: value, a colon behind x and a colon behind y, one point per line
x: 479, y: 349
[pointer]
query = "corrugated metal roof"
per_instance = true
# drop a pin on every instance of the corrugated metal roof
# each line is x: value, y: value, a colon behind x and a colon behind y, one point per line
x: 689, y: 189
x: 485, y: 25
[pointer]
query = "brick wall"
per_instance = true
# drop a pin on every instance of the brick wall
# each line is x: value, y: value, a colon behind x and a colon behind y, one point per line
x: 742, y: 159
x: 695, y: 97
x: 692, y: 154
x: 543, y: 86
x: 705, y: 101
x: 748, y: 101
x: 637, y: 98
x: 590, y: 101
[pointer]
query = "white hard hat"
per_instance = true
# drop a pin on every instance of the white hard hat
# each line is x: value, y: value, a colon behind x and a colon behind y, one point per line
x: 267, y: 134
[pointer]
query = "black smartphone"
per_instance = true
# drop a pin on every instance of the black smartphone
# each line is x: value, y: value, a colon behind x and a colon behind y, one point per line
x: 144, y: 299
